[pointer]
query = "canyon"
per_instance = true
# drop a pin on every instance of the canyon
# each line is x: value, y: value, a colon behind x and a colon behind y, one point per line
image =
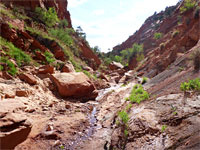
x: 57, y: 93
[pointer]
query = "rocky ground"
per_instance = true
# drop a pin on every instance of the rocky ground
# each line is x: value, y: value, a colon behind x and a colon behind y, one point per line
x: 42, y: 119
x: 51, y: 118
x: 147, y: 120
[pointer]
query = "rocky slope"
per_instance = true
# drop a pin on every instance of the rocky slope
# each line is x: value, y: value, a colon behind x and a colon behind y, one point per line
x: 169, y: 120
x: 180, y: 33
x: 28, y: 29
x: 60, y: 6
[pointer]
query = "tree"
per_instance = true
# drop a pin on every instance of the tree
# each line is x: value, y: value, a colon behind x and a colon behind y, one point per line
x: 80, y: 32
x: 96, y: 49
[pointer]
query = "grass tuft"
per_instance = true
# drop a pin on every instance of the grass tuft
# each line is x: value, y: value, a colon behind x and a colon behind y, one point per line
x: 138, y: 94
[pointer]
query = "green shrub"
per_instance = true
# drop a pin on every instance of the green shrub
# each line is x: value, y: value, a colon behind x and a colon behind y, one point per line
x: 175, y: 33
x: 127, y: 98
x: 191, y: 85
x: 164, y: 127
x: 49, y: 57
x: 138, y: 51
x: 125, y: 55
x: 1, y: 67
x: 124, y: 117
x: 62, y: 147
x: 188, y: 4
x: 139, y: 57
x: 144, y: 80
x: 137, y: 48
x: 10, y: 67
x: 63, y: 23
x: 63, y: 35
x: 123, y: 124
x: 138, y: 94
x: 107, y: 60
x: 126, y: 132
x: 7, y: 12
x: 48, y: 17
x: 128, y: 107
x: 21, y: 57
x: 158, y: 35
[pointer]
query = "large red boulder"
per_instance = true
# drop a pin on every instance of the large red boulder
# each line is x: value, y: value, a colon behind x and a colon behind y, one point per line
x: 8, y: 33
x: 75, y: 84
x: 115, y: 65
x: 40, y: 56
x: 28, y: 78
x: 46, y: 69
x: 15, y: 127
x: 57, y: 51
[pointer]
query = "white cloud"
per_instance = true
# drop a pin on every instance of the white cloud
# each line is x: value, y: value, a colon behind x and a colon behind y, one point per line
x: 99, y: 12
x: 75, y: 3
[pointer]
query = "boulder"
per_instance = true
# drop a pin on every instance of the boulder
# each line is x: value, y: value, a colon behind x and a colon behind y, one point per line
x: 58, y: 52
x: 9, y: 94
x: 89, y: 69
x: 14, y: 126
x: 46, y: 69
x: 115, y: 65
x: 103, y: 76
x: 36, y: 45
x: 75, y: 84
x: 121, y: 71
x: 127, y: 76
x: 19, y: 43
x: 6, y: 75
x: 9, y: 33
x: 22, y: 93
x: 28, y: 78
x: 140, y: 74
x: 115, y: 78
x: 68, y: 67
x: 40, y: 56
x: 101, y: 84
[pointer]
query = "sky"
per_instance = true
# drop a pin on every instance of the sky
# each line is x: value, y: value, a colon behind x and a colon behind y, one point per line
x: 108, y: 23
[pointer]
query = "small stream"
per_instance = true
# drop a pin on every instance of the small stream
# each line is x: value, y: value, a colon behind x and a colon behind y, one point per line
x: 92, y: 120
x: 88, y: 132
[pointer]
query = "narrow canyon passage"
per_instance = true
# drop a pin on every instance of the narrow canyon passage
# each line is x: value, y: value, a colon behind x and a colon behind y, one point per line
x: 64, y: 87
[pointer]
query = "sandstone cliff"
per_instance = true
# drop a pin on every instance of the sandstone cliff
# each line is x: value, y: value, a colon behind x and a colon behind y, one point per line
x: 22, y: 35
x: 180, y: 33
x: 59, y: 5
